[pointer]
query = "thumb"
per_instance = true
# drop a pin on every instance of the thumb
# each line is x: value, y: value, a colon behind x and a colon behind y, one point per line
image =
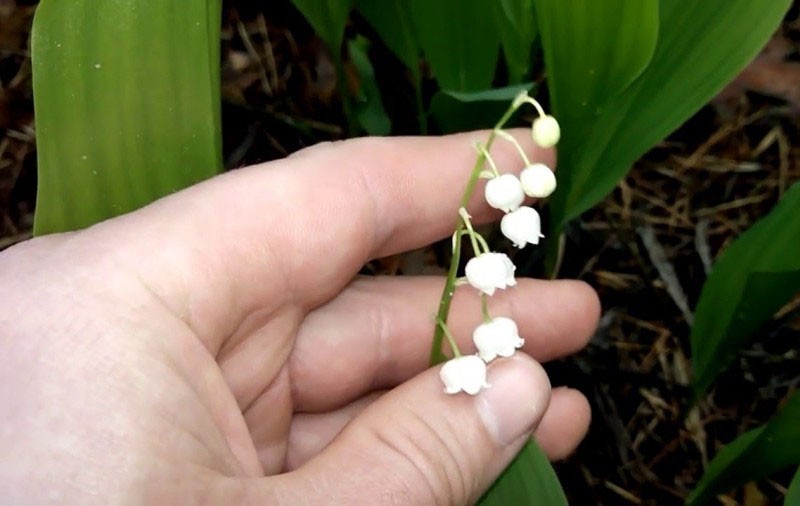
x: 418, y: 445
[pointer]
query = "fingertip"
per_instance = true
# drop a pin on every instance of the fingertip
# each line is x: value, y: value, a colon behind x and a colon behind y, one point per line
x: 587, y: 306
x: 429, y: 447
x: 565, y: 423
x: 590, y: 296
x: 517, y: 399
x: 557, y: 317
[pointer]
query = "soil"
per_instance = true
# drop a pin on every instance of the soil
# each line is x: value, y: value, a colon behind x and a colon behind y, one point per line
x: 679, y: 207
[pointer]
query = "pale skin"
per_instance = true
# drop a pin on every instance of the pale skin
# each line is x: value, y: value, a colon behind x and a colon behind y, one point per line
x: 218, y: 347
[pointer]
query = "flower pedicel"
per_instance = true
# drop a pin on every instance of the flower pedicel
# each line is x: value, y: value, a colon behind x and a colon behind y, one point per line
x: 489, y: 271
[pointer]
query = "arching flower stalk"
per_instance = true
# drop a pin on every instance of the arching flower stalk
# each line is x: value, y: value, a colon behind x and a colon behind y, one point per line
x: 488, y: 271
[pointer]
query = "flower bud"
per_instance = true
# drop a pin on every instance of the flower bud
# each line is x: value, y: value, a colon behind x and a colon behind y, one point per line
x: 538, y: 180
x: 489, y: 271
x: 499, y: 337
x: 466, y: 373
x: 545, y: 131
x: 522, y: 226
x: 504, y: 192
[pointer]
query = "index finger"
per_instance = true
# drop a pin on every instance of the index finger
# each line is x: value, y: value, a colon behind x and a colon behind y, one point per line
x: 302, y: 227
x: 412, y: 186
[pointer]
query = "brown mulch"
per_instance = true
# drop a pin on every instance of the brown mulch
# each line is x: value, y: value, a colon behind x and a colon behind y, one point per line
x: 647, y: 248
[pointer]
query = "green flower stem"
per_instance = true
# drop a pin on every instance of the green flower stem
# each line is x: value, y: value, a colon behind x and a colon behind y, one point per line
x: 538, y: 106
x: 453, y: 346
x: 470, y: 231
x: 485, y: 308
x: 479, y: 244
x: 482, y: 150
x: 510, y: 138
x: 437, y: 356
x: 482, y: 242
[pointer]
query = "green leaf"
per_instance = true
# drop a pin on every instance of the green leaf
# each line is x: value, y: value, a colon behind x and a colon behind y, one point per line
x: 593, y: 50
x: 328, y: 18
x: 753, y: 278
x: 517, y: 27
x: 528, y: 480
x: 392, y: 20
x: 368, y: 107
x: 127, y: 105
x: 753, y: 455
x: 701, y: 46
x: 459, y: 41
x: 453, y: 111
x: 793, y: 494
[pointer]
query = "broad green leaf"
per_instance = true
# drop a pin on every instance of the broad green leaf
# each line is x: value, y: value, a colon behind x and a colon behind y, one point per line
x: 368, y: 107
x: 456, y: 112
x: 529, y: 480
x: 753, y: 455
x: 517, y: 27
x: 127, y: 105
x: 392, y: 20
x: 753, y: 278
x: 328, y: 18
x: 793, y: 494
x: 593, y: 50
x: 702, y: 44
x: 459, y: 41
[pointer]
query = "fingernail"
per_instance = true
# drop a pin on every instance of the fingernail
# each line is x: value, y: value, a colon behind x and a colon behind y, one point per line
x: 513, y: 406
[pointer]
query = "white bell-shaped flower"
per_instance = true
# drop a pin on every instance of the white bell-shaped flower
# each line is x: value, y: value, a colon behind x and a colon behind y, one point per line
x: 466, y: 373
x: 489, y: 271
x: 504, y: 192
x: 538, y: 180
x: 522, y: 226
x: 545, y: 131
x: 497, y: 338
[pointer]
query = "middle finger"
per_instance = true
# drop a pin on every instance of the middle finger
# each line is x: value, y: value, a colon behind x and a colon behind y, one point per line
x: 377, y: 332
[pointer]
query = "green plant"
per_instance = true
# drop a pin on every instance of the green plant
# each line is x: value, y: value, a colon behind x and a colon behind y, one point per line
x: 753, y: 278
x: 617, y: 92
x: 793, y: 494
x: 126, y: 112
x: 529, y: 478
x: 755, y: 454
x: 687, y: 51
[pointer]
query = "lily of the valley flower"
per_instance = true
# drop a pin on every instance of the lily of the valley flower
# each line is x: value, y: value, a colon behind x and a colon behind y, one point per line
x: 504, y: 192
x: 497, y: 338
x: 538, y: 180
x: 489, y: 271
x: 545, y: 131
x: 466, y: 373
x: 522, y: 226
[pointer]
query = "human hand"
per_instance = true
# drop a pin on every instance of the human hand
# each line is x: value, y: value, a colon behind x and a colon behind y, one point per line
x: 216, y: 345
